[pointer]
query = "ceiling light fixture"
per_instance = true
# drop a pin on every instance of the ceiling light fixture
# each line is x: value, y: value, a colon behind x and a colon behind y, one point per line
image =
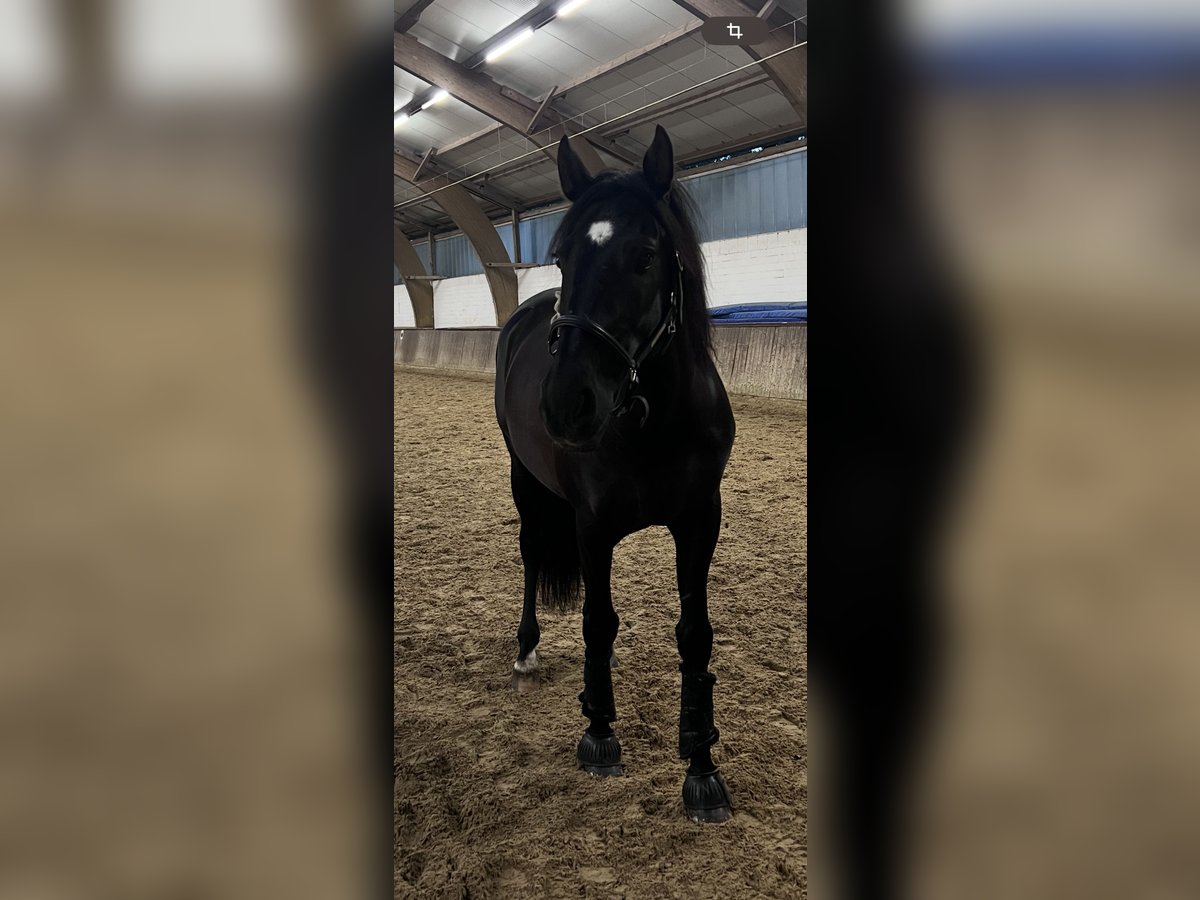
x: 399, y: 120
x: 500, y: 49
x: 569, y: 7
x: 436, y: 98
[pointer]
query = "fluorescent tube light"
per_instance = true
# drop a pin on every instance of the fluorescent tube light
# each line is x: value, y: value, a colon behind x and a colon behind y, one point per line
x: 569, y: 7
x: 436, y: 98
x: 499, y: 50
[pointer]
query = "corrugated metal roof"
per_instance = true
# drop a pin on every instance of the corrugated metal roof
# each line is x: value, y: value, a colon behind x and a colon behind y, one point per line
x: 561, y: 54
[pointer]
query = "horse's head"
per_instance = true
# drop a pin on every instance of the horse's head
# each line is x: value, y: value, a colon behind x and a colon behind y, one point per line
x: 621, y: 280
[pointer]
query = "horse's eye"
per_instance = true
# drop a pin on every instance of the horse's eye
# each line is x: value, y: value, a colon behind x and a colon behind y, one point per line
x: 645, y: 260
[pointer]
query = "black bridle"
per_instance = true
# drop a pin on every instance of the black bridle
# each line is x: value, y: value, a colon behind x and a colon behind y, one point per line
x: 667, y: 326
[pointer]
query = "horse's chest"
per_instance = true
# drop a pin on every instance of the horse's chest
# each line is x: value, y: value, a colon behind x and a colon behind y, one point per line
x: 649, y: 493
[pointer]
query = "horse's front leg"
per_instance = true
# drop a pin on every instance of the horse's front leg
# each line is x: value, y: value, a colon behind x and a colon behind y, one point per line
x: 599, y: 752
x: 705, y: 796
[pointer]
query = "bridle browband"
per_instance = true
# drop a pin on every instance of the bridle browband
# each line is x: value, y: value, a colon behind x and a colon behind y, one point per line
x: 668, y: 326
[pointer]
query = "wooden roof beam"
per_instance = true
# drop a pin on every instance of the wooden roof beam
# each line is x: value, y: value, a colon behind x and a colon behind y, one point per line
x: 605, y: 138
x: 429, y: 165
x: 789, y: 70
x: 471, y: 220
x: 481, y: 93
x: 408, y: 19
x: 420, y: 291
x: 665, y: 41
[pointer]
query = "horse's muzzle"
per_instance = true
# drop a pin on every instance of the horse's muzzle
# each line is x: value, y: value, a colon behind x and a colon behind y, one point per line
x: 572, y: 419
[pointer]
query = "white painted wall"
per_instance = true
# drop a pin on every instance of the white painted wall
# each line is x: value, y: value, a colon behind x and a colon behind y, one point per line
x: 762, y: 268
x: 402, y: 309
x: 461, y: 302
x: 534, y: 281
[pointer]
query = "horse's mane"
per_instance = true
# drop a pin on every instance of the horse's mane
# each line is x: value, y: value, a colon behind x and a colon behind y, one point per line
x: 676, y: 215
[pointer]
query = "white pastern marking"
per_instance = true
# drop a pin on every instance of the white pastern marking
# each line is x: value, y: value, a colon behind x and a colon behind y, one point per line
x: 526, y: 665
x: 600, y: 232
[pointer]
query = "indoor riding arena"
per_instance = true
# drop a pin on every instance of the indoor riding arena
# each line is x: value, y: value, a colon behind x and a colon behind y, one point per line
x: 490, y: 800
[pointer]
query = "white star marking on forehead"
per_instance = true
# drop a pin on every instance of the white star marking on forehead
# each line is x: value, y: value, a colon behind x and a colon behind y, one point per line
x: 600, y: 232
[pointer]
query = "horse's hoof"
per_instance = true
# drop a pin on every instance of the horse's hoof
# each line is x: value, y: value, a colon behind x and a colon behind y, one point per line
x: 524, y: 684
x: 706, y: 798
x: 599, y: 755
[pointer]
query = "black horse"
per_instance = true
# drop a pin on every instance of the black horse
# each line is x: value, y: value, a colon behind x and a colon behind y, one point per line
x: 616, y: 419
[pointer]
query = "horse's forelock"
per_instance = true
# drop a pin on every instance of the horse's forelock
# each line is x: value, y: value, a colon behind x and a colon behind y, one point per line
x: 676, y: 215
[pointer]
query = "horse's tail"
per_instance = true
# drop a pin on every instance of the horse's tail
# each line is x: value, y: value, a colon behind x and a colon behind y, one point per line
x: 558, y: 570
x: 548, y: 538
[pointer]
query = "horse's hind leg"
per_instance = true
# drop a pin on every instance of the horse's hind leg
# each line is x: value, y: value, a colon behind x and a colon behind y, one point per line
x: 528, y: 632
x: 705, y: 796
x: 526, y: 491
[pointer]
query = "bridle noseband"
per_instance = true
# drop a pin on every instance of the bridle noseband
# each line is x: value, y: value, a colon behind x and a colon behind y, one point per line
x: 668, y: 326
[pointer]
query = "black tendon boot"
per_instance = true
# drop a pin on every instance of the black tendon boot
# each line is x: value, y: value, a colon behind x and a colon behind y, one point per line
x: 599, y: 752
x: 705, y: 795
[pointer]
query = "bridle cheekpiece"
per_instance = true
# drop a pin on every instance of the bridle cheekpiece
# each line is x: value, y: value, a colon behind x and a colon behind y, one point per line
x: 668, y: 326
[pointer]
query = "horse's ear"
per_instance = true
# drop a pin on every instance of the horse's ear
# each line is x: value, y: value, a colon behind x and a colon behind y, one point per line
x: 572, y: 173
x: 658, y: 165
